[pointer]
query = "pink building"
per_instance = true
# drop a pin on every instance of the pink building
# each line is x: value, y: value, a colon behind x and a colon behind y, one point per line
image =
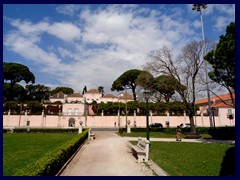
x: 220, y: 109
x: 74, y: 104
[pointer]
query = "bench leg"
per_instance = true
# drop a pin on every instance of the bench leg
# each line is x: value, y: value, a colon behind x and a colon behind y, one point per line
x: 141, y: 158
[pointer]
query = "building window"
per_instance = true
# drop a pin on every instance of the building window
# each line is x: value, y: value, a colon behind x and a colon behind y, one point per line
x: 69, y: 112
x: 76, y: 111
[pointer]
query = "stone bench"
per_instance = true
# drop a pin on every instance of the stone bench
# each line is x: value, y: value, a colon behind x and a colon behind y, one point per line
x: 91, y: 135
x: 141, y: 150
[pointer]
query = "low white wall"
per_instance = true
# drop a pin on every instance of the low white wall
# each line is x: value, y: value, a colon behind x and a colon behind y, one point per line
x: 107, y: 121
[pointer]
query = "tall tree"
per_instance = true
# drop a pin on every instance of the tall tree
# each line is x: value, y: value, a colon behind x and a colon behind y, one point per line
x: 65, y: 90
x: 165, y: 85
x: 222, y: 59
x: 101, y: 90
x: 15, y: 92
x: 127, y: 80
x: 15, y: 73
x: 37, y: 92
x: 84, y: 90
x: 145, y: 79
x: 184, y: 69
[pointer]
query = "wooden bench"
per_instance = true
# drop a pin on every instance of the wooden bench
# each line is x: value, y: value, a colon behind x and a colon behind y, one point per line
x: 91, y: 135
x: 141, y: 150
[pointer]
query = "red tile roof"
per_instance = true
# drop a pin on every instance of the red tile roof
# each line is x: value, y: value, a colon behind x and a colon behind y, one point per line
x: 126, y: 96
x: 223, y: 97
x: 109, y: 96
x: 74, y: 95
x: 59, y: 95
x: 217, y: 102
x: 93, y: 91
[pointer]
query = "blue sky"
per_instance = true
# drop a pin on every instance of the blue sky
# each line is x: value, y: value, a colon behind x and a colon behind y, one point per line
x: 77, y: 45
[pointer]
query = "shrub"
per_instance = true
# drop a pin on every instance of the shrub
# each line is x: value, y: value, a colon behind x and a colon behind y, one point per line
x: 51, y: 163
x: 224, y: 133
x: 43, y: 130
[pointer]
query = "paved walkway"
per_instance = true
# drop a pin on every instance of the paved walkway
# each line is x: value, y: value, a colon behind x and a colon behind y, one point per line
x: 110, y: 155
x: 107, y: 155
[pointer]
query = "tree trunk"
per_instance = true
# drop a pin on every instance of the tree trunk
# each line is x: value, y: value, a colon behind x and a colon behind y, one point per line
x: 134, y: 93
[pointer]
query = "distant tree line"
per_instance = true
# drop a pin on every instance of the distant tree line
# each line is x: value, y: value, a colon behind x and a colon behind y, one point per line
x: 159, y: 109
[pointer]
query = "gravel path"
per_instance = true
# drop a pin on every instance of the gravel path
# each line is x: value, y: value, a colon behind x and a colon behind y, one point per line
x: 107, y: 155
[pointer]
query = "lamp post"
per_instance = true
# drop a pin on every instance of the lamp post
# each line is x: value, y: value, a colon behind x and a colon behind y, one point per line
x: 199, y: 7
x: 126, y: 87
x: 126, y: 105
x: 147, y: 96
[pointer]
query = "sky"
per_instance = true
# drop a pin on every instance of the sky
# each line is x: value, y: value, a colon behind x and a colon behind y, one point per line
x: 86, y: 44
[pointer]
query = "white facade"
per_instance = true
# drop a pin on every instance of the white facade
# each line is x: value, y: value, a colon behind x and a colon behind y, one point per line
x: 74, y: 104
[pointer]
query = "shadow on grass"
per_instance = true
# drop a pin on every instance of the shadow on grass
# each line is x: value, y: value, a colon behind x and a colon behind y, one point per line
x: 228, y: 163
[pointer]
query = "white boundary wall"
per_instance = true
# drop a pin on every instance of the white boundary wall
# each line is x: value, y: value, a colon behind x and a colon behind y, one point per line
x: 106, y: 121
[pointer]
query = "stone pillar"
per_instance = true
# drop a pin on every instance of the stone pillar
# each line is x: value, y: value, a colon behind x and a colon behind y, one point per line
x: 42, y: 123
x: 128, y: 126
x: 151, y: 116
x: 184, y: 114
x: 9, y: 112
x: 219, y: 119
x: 89, y: 131
x: 28, y: 125
x: 167, y: 116
x: 59, y: 118
x: 202, y: 119
x: 134, y: 115
x: 102, y: 114
x: 80, y: 127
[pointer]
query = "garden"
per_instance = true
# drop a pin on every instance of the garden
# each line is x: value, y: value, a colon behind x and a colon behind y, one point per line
x: 191, y: 159
x: 39, y: 154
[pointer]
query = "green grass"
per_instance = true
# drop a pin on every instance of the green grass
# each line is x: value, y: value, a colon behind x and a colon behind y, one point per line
x: 188, y: 159
x: 152, y: 134
x: 20, y: 149
x: 159, y: 135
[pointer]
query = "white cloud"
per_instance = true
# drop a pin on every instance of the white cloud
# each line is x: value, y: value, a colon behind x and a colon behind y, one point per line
x: 221, y: 23
x: 64, y: 31
x: 69, y: 9
x: 102, y: 43
x: 197, y: 24
x: 26, y: 48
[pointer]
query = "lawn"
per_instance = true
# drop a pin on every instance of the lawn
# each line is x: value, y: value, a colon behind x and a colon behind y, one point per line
x: 158, y: 135
x: 152, y: 134
x: 188, y: 159
x: 20, y: 149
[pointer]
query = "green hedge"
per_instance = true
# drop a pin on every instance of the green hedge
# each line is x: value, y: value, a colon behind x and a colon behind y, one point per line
x: 155, y: 129
x: 223, y: 133
x: 50, y: 164
x: 42, y: 130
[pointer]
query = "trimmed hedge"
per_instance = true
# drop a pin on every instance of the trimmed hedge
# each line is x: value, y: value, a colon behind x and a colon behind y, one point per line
x: 155, y: 129
x: 223, y: 133
x: 51, y: 163
x: 41, y: 130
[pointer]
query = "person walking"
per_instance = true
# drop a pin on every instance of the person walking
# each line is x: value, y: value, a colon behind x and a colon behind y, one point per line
x: 178, y: 136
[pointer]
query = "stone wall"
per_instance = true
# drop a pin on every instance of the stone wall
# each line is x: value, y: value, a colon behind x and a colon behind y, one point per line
x: 106, y: 121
